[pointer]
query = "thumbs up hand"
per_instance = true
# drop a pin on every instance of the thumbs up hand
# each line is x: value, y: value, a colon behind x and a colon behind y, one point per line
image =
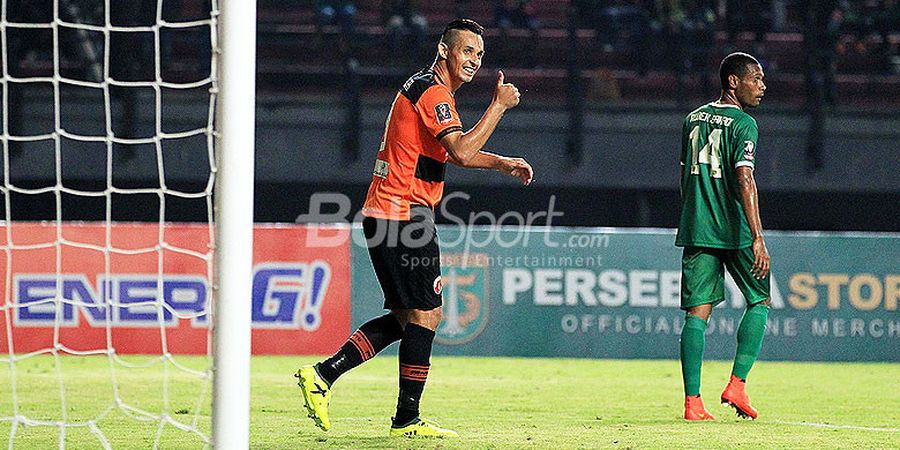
x: 506, y: 94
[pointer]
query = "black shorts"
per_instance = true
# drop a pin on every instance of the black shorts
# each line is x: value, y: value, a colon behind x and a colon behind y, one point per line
x: 406, y: 259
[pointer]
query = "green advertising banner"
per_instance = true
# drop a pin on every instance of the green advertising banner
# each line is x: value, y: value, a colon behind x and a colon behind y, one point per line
x: 614, y: 293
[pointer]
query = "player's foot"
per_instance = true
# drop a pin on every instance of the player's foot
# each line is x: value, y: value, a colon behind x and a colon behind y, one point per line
x: 316, y: 395
x: 422, y: 428
x: 736, y: 397
x: 694, y: 409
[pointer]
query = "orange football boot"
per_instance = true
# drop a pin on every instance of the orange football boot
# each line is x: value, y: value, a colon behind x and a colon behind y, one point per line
x: 736, y: 397
x: 694, y: 410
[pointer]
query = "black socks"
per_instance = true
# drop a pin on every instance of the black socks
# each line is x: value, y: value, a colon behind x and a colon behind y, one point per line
x: 415, y: 360
x: 371, y: 338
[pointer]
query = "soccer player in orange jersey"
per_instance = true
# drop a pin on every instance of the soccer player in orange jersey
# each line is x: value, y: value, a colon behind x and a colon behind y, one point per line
x: 423, y: 133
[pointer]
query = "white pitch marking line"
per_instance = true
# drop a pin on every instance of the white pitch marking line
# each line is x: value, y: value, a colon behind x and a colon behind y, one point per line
x: 827, y: 425
x: 578, y: 419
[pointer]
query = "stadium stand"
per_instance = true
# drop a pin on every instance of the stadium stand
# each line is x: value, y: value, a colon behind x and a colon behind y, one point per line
x: 296, y: 56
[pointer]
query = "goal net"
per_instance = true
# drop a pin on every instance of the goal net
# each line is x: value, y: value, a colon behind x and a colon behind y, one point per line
x: 108, y: 150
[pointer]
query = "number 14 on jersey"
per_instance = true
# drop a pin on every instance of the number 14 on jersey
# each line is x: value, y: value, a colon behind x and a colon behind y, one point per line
x: 710, y: 153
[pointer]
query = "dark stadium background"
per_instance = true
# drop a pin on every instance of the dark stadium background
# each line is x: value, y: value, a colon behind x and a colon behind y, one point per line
x: 604, y: 90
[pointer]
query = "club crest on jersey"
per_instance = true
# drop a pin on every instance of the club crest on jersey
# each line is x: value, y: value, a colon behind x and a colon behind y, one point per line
x: 749, y: 150
x: 438, y: 285
x: 443, y: 113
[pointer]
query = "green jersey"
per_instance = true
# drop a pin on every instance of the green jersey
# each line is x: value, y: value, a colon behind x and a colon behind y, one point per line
x: 716, y: 139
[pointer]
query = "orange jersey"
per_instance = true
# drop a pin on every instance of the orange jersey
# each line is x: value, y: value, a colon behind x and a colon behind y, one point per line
x: 410, y: 165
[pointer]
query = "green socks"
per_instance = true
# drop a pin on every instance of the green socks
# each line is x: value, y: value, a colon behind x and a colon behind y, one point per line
x: 749, y: 339
x: 693, y: 340
x: 749, y: 342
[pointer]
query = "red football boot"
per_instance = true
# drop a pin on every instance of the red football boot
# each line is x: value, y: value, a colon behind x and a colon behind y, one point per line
x: 736, y: 397
x: 694, y: 410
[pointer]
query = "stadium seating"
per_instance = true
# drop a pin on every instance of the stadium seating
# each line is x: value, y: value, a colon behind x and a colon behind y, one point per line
x: 609, y: 73
x: 295, y: 55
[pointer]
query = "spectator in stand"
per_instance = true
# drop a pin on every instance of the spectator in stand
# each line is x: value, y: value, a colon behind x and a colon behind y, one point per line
x: 462, y: 8
x: 517, y: 14
x: 685, y: 29
x: 888, y: 23
x: 779, y: 15
x: 747, y: 15
x: 341, y: 13
x: 821, y: 25
x: 406, y: 27
x: 667, y: 22
x: 620, y: 25
x: 607, y: 18
x: 336, y: 12
x: 754, y: 16
x: 698, y: 33
x: 870, y: 24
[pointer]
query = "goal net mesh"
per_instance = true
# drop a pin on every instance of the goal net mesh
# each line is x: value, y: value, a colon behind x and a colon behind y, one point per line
x: 107, y: 140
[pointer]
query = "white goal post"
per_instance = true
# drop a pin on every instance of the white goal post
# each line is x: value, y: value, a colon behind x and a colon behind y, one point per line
x: 235, y: 117
x: 62, y: 300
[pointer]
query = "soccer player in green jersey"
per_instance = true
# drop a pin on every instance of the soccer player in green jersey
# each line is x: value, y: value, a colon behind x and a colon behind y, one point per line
x: 720, y: 227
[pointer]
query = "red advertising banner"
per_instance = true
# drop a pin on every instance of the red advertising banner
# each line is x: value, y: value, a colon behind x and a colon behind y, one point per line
x: 148, y: 291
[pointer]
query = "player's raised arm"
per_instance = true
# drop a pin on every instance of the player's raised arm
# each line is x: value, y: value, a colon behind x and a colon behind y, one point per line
x: 750, y: 203
x: 464, y: 147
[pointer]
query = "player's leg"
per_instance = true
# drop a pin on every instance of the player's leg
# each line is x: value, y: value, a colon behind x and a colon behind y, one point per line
x: 751, y: 330
x: 702, y: 287
x: 373, y: 336
x: 315, y: 381
x: 370, y: 339
x: 418, y: 307
x: 693, y: 343
x: 415, y: 363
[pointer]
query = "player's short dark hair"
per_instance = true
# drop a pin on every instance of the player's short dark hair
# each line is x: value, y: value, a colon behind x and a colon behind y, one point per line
x: 461, y: 24
x: 736, y: 63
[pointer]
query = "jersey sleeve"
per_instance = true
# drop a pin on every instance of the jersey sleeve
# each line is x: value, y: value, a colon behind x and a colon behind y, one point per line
x: 746, y: 134
x: 437, y: 110
x: 685, y: 139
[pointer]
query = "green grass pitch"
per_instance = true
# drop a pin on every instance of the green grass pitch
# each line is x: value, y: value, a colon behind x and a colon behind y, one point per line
x: 491, y: 402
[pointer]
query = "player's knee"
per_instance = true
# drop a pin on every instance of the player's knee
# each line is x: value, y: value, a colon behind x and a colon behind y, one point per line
x: 767, y: 302
x: 427, y: 318
x: 701, y: 311
x: 402, y: 316
x: 433, y: 318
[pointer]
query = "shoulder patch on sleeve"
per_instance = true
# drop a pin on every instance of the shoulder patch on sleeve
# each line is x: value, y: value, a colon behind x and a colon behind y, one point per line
x: 749, y: 150
x: 443, y: 113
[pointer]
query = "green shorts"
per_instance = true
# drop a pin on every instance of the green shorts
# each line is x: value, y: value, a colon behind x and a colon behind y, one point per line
x: 703, y: 281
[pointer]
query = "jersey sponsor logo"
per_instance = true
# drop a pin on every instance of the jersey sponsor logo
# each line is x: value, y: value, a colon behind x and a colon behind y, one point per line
x: 466, y: 300
x: 749, y: 150
x: 443, y: 113
x: 381, y: 168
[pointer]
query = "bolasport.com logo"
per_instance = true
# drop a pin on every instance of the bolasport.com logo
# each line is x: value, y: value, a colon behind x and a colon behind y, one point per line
x: 329, y: 212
